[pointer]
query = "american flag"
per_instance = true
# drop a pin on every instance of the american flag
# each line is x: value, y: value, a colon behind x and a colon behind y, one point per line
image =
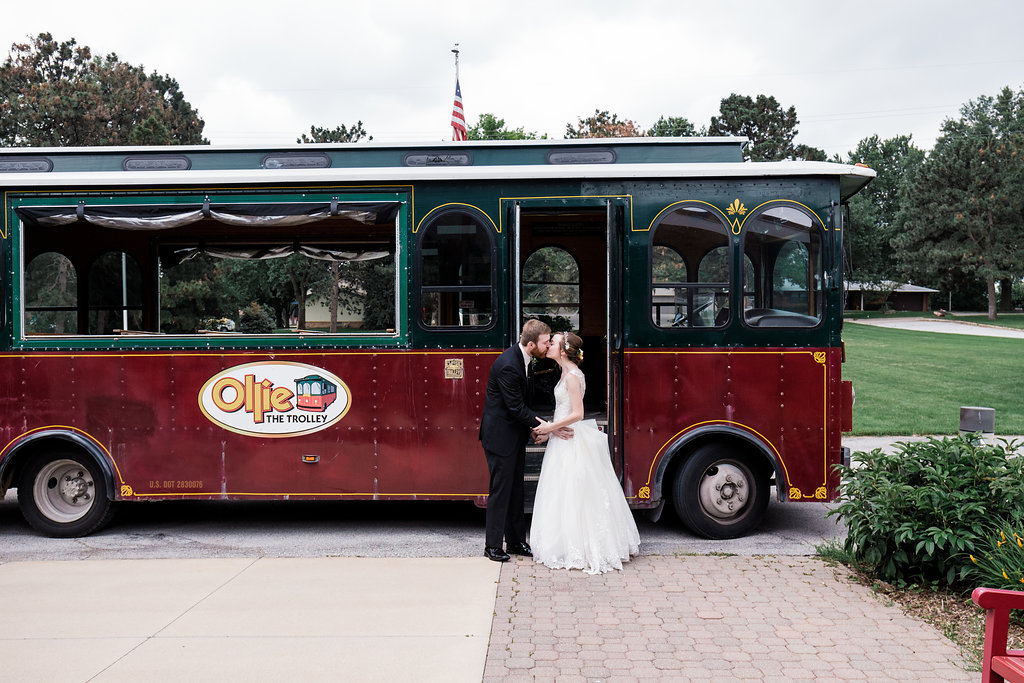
x: 458, y: 116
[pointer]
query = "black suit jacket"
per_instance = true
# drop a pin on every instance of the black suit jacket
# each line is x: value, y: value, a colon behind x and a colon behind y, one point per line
x: 507, y: 421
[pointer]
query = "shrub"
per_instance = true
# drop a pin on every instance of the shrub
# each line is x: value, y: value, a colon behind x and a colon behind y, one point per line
x: 916, y: 515
x: 256, y: 319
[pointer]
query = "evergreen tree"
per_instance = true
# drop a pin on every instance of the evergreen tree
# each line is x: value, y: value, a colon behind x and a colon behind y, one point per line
x: 874, y: 209
x: 963, y: 213
x: 58, y: 95
x: 672, y: 127
x: 490, y: 127
x: 770, y: 128
x: 341, y: 133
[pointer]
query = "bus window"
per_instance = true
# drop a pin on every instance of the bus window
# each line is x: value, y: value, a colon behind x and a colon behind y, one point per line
x: 115, y: 294
x: 551, y: 288
x: 690, y: 269
x: 456, y: 271
x: 243, y: 289
x: 51, y: 295
x: 783, y: 263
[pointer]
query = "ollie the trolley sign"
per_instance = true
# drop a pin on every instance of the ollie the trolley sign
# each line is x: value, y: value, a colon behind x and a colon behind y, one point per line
x: 707, y: 291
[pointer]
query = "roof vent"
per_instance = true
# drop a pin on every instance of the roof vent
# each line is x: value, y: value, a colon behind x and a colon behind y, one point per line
x: 582, y: 156
x: 437, y: 159
x: 176, y: 162
x: 296, y: 160
x: 25, y: 165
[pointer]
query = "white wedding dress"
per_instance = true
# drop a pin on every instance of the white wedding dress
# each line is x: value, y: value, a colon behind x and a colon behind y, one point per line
x: 580, y: 517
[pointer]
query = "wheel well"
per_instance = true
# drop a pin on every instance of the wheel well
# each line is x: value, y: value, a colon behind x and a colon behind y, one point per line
x: 13, y: 464
x: 680, y: 452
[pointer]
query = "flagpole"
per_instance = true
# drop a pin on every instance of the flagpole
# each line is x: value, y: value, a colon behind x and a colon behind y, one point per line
x: 458, y: 114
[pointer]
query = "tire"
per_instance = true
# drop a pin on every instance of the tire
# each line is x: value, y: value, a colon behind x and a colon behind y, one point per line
x: 63, y: 494
x: 719, y: 493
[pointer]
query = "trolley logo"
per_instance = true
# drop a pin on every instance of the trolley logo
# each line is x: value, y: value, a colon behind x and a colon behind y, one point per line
x: 274, y: 399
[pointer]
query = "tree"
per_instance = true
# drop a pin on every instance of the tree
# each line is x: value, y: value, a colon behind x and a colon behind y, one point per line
x: 873, y: 211
x: 490, y: 127
x: 341, y: 133
x: 770, y: 128
x: 332, y: 286
x: 963, y: 213
x: 369, y: 286
x: 672, y: 127
x: 603, y: 125
x: 57, y: 94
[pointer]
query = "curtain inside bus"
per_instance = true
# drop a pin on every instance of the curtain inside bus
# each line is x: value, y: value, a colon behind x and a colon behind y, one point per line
x: 161, y: 217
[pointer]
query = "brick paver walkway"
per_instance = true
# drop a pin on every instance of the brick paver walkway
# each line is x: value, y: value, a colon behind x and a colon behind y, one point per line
x: 707, y: 618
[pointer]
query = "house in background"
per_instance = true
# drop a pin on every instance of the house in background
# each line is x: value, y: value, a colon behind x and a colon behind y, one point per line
x: 318, y: 316
x: 862, y: 296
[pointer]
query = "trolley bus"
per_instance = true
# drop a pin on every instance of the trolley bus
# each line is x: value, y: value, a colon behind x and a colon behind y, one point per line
x: 164, y: 331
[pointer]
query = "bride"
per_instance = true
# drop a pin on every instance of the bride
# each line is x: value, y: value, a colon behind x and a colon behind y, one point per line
x: 580, y: 518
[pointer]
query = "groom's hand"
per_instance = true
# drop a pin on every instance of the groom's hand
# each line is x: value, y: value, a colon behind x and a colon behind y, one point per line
x: 563, y: 432
x: 538, y: 438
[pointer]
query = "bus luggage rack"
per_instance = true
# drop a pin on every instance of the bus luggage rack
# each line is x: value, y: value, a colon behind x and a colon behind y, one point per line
x: 535, y: 457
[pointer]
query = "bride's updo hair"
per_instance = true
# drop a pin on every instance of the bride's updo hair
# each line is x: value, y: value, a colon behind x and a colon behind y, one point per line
x: 573, y: 347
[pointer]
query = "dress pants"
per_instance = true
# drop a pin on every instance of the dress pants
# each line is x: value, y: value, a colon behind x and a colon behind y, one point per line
x: 505, y: 514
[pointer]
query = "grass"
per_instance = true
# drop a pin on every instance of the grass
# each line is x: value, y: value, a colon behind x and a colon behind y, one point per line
x: 1014, y: 320
x: 910, y: 383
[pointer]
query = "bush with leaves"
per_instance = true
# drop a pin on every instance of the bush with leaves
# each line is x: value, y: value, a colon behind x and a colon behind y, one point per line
x: 256, y: 319
x: 917, y: 514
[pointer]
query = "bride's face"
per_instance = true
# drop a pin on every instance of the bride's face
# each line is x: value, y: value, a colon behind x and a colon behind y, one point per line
x: 555, y: 349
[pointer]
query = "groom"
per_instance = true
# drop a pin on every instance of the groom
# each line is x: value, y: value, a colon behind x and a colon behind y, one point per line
x: 504, y: 431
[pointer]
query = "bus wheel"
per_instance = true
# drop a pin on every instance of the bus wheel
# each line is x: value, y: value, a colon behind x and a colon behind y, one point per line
x: 719, y: 494
x: 63, y: 494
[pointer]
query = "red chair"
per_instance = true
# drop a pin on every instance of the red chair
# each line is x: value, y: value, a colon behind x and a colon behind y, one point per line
x: 999, y: 663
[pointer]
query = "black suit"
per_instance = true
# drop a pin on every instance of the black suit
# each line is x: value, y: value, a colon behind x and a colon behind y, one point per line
x: 504, y: 431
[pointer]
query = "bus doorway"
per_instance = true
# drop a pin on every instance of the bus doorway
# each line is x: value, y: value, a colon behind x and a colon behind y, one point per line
x: 563, y: 279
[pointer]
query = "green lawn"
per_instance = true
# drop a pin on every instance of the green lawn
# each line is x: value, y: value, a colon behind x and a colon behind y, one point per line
x: 1014, y: 320
x: 915, y: 382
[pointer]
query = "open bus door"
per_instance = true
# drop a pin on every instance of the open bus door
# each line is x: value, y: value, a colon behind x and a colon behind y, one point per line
x: 614, y: 327
x: 566, y: 261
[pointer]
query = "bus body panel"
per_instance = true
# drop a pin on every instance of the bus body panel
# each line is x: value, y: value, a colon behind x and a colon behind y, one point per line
x: 779, y: 397
x: 409, y: 431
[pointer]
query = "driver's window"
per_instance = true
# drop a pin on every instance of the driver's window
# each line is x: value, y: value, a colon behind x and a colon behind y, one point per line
x: 690, y: 266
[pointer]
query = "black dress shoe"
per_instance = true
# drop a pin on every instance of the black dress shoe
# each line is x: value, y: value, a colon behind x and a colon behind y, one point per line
x: 496, y: 554
x: 520, y: 549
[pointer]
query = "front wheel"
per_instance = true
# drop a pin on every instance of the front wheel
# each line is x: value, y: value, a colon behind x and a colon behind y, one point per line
x: 719, y: 493
x: 63, y: 494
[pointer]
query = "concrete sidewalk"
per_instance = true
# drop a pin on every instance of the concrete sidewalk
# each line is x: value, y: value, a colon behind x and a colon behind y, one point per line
x: 330, y: 619
x: 941, y: 325
x: 698, y: 617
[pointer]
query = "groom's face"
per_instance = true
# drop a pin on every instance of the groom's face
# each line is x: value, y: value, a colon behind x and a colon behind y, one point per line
x: 540, y: 349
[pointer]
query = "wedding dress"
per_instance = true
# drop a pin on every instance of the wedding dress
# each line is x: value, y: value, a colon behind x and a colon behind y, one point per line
x: 580, y: 517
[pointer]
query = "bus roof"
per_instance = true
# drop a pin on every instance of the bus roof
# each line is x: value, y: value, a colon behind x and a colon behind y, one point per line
x: 594, y: 158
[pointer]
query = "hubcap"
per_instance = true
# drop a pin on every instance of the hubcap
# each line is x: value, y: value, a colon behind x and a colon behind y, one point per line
x: 724, y: 490
x: 64, y: 491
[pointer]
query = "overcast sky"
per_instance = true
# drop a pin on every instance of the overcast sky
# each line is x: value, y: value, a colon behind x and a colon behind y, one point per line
x: 260, y: 73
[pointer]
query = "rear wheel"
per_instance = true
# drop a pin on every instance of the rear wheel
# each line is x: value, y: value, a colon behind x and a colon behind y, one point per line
x: 719, y: 493
x: 63, y: 494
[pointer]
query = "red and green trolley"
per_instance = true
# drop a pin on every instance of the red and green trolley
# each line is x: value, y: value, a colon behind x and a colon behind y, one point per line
x: 318, y: 321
